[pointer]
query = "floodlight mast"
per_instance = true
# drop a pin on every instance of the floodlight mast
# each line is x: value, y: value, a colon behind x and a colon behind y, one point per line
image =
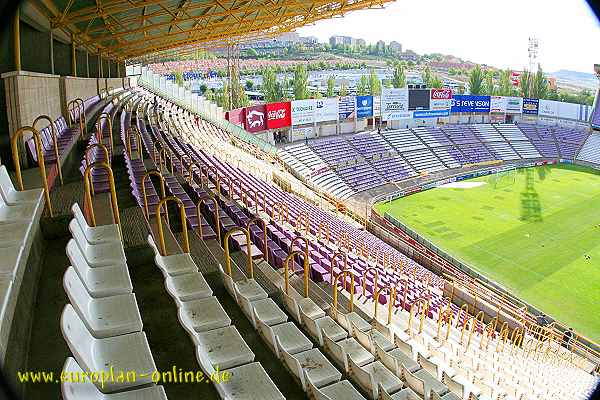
x: 533, y: 50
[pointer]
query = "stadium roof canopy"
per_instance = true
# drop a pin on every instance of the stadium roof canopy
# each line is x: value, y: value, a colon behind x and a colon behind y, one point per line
x: 130, y: 29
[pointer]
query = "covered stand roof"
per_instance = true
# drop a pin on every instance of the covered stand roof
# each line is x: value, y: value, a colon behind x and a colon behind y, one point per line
x: 129, y: 29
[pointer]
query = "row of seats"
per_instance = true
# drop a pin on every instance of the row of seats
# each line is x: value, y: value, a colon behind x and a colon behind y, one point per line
x: 103, y: 330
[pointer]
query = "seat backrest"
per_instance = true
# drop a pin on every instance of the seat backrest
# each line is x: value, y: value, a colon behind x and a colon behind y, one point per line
x: 291, y: 305
x: 76, y: 257
x: 454, y: 386
x: 79, y: 236
x: 406, y: 348
x: 386, y: 359
x: 313, y: 391
x: 78, y: 214
x: 267, y: 332
x: 74, y: 389
x: 363, y: 338
x: 427, y: 365
x: 364, y: 379
x: 78, y: 338
x: 228, y: 282
x: 311, y: 326
x: 413, y: 382
x: 6, y: 185
x: 292, y: 363
x: 78, y: 295
x: 338, y: 352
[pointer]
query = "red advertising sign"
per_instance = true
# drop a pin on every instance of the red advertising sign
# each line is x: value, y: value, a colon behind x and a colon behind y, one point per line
x: 255, y: 118
x: 515, y: 77
x: 236, y: 116
x: 441, y: 94
x: 279, y: 115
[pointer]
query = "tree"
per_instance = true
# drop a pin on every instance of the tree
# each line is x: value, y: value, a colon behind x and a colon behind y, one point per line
x: 249, y: 85
x: 505, y: 87
x: 343, y: 89
x: 202, y: 88
x: 362, y: 87
x: 300, y: 82
x: 489, y: 87
x: 209, y: 95
x: 330, y: 86
x: 426, y: 75
x: 374, y: 84
x: 476, y: 80
x: 178, y: 77
x: 399, y: 78
x: 435, y: 82
x: 524, y: 84
x: 269, y: 85
x: 540, y: 84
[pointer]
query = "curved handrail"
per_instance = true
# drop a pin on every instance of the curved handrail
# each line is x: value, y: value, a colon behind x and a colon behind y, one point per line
x: 282, y: 212
x: 162, y: 189
x: 87, y: 158
x: 502, y: 336
x: 71, y: 106
x: 324, y: 225
x: 99, y: 129
x: 82, y: 117
x: 54, y: 142
x: 424, y: 306
x: 488, y: 332
x: 216, y: 215
x: 306, y: 259
x: 474, y: 326
x: 392, y: 300
x: 334, y: 264
x: 40, y: 153
x: 335, y: 289
x: 248, y: 249
x: 89, y: 187
x: 183, y: 217
x: 303, y: 219
x: 286, y: 273
x: 447, y: 314
x: 375, y: 279
x: 138, y: 140
x: 265, y: 236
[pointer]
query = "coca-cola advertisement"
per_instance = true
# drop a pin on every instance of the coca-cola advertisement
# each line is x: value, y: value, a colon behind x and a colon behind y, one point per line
x: 440, y: 99
x: 279, y: 115
x: 255, y: 119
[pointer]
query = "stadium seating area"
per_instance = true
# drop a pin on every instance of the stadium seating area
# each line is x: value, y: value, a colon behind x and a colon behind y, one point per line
x: 357, y: 159
x: 429, y: 348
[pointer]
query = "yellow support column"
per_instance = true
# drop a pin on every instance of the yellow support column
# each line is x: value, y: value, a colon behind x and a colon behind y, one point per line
x: 73, y: 56
x: 17, y: 40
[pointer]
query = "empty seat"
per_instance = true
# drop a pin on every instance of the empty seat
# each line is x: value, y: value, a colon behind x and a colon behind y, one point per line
x: 175, y: 264
x: 104, y: 317
x: 323, y: 326
x: 79, y: 389
x: 12, y: 196
x: 422, y: 382
x: 119, y: 354
x: 248, y: 382
x: 265, y: 310
x: 290, y: 337
x: 344, y: 349
x: 99, y: 281
x: 339, y: 390
x: 101, y: 254
x: 374, y: 375
x: 222, y: 348
x: 97, y: 234
x: 202, y: 315
x: 188, y: 287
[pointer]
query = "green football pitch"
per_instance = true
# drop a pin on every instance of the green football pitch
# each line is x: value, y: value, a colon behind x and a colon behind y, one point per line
x: 535, y: 231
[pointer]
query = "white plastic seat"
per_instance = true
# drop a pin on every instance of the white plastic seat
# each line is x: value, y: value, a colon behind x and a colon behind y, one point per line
x: 395, y: 359
x: 10, y: 257
x: 100, y: 281
x: 369, y: 338
x: 373, y: 375
x: 312, y: 363
x: 422, y: 382
x: 459, y: 386
x: 326, y: 325
x: 248, y: 382
x: 265, y: 310
x: 250, y: 290
x: 174, y: 264
x: 339, y: 390
x: 104, y: 317
x: 222, y: 348
x: 101, y: 254
x: 12, y: 196
x: 290, y: 337
x: 350, y: 319
x: 202, y: 315
x: 449, y: 396
x: 188, y: 287
x: 121, y: 354
x: 404, y: 394
x: 73, y: 390
x: 308, y: 306
x: 22, y: 212
x: 341, y: 350
x: 435, y: 366
x: 97, y: 234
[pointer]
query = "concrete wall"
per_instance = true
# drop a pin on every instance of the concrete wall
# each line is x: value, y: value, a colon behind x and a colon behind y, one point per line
x: 115, y: 83
x: 29, y: 95
x: 73, y: 88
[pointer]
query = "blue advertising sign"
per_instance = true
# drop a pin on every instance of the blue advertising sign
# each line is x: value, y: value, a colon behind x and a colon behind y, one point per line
x: 470, y: 103
x: 364, y: 106
x: 346, y: 107
x: 531, y: 106
x: 431, y: 113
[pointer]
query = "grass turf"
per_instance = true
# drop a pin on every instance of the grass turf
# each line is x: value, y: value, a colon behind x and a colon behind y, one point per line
x: 531, y: 231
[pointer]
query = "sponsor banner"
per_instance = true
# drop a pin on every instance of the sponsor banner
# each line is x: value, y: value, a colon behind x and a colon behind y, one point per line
x: 498, y: 118
x: 279, y: 115
x: 531, y: 106
x: 470, y: 103
x: 302, y: 133
x: 548, y: 108
x: 377, y: 106
x: 498, y: 104
x: 364, y: 106
x: 326, y: 109
x: 430, y: 113
x: 236, y: 117
x: 303, y: 112
x: 255, y: 119
x: 440, y: 99
x: 585, y: 113
x: 394, y: 104
x: 418, y: 99
x: 346, y: 107
x: 514, y: 105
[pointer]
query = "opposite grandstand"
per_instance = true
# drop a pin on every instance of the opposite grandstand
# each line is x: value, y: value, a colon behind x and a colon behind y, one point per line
x: 534, y: 231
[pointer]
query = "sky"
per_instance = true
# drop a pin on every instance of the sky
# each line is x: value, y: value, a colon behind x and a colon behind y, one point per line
x: 487, y: 32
